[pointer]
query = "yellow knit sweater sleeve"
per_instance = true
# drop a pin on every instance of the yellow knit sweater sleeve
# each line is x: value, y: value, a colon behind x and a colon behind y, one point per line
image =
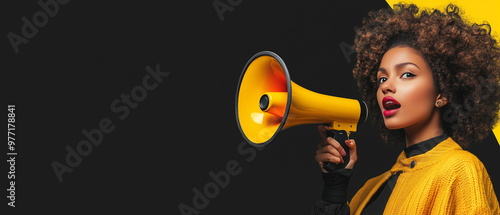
x: 465, y: 187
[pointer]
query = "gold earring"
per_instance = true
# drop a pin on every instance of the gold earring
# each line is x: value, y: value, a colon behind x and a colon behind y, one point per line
x: 438, y: 103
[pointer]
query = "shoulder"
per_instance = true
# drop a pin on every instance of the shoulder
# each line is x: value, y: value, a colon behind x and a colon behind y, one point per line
x: 461, y: 158
x: 462, y: 165
x: 453, y: 157
x: 463, y: 178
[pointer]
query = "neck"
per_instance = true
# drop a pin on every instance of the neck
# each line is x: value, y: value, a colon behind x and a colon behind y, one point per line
x: 424, y: 130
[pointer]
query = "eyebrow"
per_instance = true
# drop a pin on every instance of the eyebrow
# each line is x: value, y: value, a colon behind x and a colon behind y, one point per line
x: 398, y: 66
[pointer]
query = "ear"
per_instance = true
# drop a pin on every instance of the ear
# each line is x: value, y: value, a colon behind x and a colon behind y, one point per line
x: 442, y: 100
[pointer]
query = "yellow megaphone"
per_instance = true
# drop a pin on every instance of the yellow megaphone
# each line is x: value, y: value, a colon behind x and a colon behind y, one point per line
x: 267, y: 101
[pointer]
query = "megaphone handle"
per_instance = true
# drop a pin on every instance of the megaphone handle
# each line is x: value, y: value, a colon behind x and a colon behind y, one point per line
x: 341, y: 137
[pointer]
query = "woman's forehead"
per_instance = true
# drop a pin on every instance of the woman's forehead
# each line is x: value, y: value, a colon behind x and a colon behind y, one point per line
x: 401, y: 56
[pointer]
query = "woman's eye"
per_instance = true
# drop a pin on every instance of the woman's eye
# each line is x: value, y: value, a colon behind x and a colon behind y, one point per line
x: 382, y: 80
x: 407, y: 75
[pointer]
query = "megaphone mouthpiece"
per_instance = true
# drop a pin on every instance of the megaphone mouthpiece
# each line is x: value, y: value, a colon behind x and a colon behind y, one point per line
x: 264, y: 102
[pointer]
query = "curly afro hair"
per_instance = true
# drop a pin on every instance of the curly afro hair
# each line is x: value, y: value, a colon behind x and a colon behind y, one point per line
x: 464, y: 60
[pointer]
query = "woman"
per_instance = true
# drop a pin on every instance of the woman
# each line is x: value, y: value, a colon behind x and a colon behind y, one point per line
x: 431, y: 81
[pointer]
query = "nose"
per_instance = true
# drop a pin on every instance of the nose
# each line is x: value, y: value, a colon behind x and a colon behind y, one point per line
x: 387, y: 87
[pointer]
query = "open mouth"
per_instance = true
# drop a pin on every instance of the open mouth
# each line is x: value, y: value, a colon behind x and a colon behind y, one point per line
x: 391, y: 106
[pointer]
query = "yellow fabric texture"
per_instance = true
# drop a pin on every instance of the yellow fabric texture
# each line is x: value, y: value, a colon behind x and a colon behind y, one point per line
x: 444, y: 180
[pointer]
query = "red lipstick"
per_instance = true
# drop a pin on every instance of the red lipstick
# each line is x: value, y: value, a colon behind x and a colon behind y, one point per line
x: 391, y: 106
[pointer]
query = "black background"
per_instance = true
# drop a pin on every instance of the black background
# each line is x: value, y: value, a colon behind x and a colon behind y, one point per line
x: 66, y: 77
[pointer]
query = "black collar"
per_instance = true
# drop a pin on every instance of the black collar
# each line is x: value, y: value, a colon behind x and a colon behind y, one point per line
x: 424, y: 146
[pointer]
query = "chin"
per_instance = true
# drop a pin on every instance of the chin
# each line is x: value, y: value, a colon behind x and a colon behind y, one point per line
x: 392, y: 124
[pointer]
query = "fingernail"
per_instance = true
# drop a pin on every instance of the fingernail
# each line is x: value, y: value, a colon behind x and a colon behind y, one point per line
x: 342, y: 152
x: 348, y: 142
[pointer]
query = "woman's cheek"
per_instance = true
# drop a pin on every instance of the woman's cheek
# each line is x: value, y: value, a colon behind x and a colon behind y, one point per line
x: 417, y: 103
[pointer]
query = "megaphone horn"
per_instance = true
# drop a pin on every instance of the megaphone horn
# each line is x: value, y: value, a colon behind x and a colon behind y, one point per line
x: 267, y: 101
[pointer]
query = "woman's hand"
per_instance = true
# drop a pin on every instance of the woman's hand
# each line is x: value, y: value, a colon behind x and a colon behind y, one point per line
x: 329, y: 150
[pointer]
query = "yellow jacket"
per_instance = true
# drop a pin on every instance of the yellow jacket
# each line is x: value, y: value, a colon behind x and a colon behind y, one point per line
x: 444, y: 180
